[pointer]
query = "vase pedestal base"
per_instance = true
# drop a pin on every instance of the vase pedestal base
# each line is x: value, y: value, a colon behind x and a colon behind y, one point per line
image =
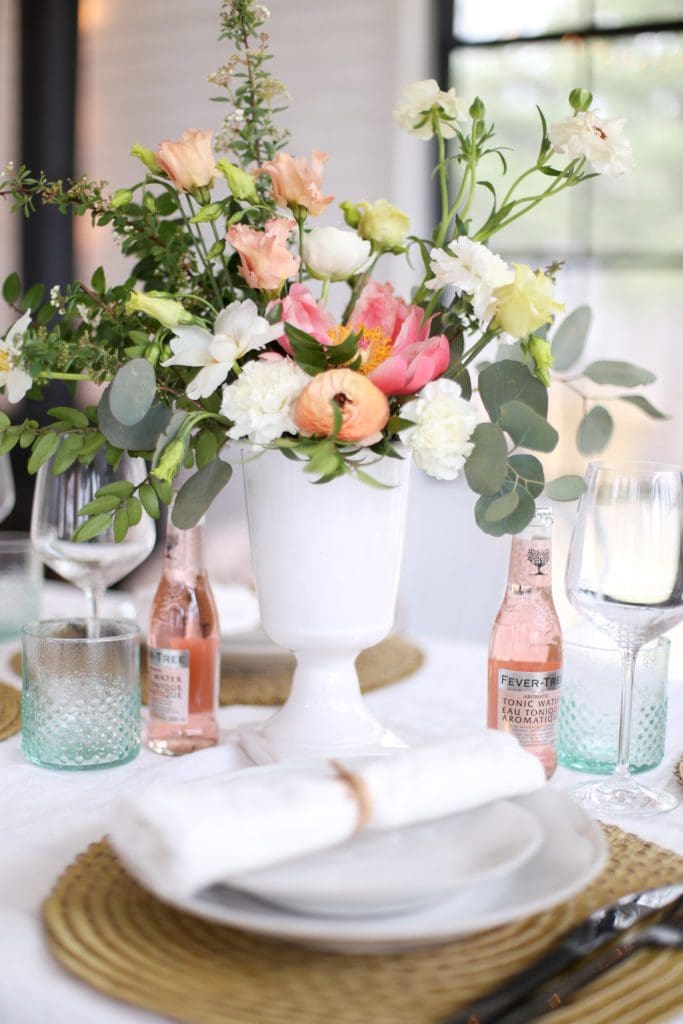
x: 266, y: 746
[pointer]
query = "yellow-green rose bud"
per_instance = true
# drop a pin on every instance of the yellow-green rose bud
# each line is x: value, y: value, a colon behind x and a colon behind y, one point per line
x: 539, y: 350
x: 171, y: 460
x: 351, y: 213
x: 168, y: 312
x: 526, y: 304
x: 382, y: 224
x: 148, y: 157
x: 240, y: 183
x: 121, y: 197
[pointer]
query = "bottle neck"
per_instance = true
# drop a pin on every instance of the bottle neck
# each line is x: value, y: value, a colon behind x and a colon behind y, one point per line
x: 184, y: 550
x: 530, y: 563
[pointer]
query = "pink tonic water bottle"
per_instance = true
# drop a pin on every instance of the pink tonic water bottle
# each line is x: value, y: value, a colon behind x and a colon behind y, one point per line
x: 525, y: 649
x: 183, y: 650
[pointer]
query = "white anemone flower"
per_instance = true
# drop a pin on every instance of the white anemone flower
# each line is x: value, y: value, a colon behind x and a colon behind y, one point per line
x: 16, y: 380
x: 238, y: 329
x: 334, y: 253
x: 413, y: 113
x: 470, y: 268
x: 600, y: 141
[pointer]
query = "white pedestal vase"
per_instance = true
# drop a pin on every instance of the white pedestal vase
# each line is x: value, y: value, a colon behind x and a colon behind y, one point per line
x: 326, y: 560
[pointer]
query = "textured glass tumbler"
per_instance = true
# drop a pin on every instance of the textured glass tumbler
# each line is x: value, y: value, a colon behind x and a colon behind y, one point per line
x: 21, y: 575
x: 589, y: 705
x: 80, y: 701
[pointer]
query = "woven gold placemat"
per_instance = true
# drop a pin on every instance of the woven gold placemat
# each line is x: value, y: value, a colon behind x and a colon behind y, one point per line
x: 10, y: 710
x: 119, y: 938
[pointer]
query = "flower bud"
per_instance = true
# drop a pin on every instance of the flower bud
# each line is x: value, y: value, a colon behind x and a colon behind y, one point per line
x: 477, y: 109
x: 167, y: 311
x: 580, y: 100
x: 539, y: 350
x: 147, y: 157
x: 351, y: 213
x: 239, y: 182
x: 171, y: 460
x: 382, y: 224
x: 121, y: 197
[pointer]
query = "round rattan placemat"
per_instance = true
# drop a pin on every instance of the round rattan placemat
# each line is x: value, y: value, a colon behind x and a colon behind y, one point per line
x: 116, y: 936
x: 269, y: 683
x: 10, y: 710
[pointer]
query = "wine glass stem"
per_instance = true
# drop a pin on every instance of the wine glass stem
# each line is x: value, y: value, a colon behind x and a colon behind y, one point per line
x: 628, y: 666
x: 93, y: 595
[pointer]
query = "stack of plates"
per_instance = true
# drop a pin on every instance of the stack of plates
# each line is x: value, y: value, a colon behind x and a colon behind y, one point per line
x: 422, y: 885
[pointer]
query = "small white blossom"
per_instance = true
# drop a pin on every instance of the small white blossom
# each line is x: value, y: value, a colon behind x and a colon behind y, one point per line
x: 16, y: 380
x: 82, y: 310
x: 238, y: 329
x: 601, y: 142
x: 55, y: 296
x: 261, y: 401
x: 334, y: 253
x: 444, y: 422
x: 413, y: 113
x: 7, y: 170
x: 471, y: 269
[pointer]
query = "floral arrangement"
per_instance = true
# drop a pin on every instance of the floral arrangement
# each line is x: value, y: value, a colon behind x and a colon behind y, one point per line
x: 223, y: 332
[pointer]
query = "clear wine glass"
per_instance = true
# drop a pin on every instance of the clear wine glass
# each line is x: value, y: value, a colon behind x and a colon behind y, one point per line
x: 95, y: 564
x: 7, y: 496
x: 625, y: 574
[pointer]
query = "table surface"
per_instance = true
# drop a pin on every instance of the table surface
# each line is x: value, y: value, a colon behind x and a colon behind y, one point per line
x: 50, y: 816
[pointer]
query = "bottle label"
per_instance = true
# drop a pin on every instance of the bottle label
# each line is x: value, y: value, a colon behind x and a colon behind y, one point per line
x: 529, y: 705
x: 168, y: 678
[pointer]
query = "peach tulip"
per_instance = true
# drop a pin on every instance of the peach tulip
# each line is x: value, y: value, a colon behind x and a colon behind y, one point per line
x: 296, y: 183
x: 364, y: 408
x: 266, y: 262
x: 189, y: 162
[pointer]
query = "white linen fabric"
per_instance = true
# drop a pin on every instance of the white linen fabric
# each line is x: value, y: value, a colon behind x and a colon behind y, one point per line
x: 178, y: 839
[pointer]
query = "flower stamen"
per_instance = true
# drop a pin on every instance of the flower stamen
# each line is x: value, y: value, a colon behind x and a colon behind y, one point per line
x: 374, y: 345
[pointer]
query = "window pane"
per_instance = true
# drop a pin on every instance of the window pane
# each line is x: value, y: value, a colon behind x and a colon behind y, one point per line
x: 611, y: 13
x: 503, y: 19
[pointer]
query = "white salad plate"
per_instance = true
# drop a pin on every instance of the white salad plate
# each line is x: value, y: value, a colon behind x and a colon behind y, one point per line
x: 571, y: 853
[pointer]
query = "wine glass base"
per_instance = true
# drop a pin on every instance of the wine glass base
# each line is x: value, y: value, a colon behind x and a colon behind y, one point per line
x: 609, y: 797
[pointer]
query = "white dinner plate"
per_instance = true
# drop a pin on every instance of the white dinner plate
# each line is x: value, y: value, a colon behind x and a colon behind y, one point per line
x: 375, y: 873
x: 571, y: 854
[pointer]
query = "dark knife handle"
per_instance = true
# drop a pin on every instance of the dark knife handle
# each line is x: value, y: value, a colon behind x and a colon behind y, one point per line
x: 488, y: 1009
x: 556, y: 997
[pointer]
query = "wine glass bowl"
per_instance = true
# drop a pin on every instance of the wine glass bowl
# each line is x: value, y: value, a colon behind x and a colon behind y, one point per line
x: 7, y: 495
x: 95, y: 564
x: 625, y: 575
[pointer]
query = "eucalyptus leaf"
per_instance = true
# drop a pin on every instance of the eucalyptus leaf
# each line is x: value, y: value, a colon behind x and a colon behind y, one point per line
x: 502, y: 507
x: 645, y: 406
x: 527, y: 428
x: 570, y: 337
x: 618, y: 373
x: 512, y: 352
x: 508, y: 381
x: 530, y: 470
x: 515, y: 522
x: 140, y: 437
x: 565, y: 488
x: 197, y: 493
x: 486, y: 466
x: 595, y: 430
x: 132, y: 392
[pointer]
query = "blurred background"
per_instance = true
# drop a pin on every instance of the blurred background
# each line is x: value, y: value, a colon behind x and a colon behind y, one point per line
x: 80, y: 82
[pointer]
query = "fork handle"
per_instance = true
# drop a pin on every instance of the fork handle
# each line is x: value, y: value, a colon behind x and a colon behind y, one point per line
x: 554, y: 998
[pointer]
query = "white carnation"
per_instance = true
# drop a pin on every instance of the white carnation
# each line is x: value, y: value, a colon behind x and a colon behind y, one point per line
x: 601, y: 142
x: 260, y: 402
x: 471, y: 269
x: 334, y: 253
x: 419, y: 99
x: 444, y: 421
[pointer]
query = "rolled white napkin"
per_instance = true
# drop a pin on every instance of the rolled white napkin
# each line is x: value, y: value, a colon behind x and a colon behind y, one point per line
x: 179, y: 839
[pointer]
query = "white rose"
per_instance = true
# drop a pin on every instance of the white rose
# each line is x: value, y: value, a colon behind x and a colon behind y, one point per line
x: 419, y: 99
x: 334, y: 253
x: 261, y: 401
x: 444, y: 421
x: 471, y: 269
x: 601, y: 142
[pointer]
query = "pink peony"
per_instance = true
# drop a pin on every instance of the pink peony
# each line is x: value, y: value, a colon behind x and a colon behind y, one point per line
x: 189, y: 162
x: 300, y: 309
x: 296, y: 184
x: 266, y: 262
x: 377, y: 306
x: 415, y: 358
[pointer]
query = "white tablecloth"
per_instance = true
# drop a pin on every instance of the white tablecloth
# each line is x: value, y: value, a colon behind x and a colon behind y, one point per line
x: 48, y: 817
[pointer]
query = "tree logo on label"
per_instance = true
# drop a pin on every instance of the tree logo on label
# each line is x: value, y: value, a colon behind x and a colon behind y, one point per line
x: 538, y: 557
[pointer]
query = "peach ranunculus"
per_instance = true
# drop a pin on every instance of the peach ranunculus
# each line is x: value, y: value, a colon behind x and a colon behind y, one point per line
x: 266, y: 262
x: 364, y: 408
x: 296, y: 183
x: 300, y: 309
x: 189, y: 162
x: 399, y: 354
